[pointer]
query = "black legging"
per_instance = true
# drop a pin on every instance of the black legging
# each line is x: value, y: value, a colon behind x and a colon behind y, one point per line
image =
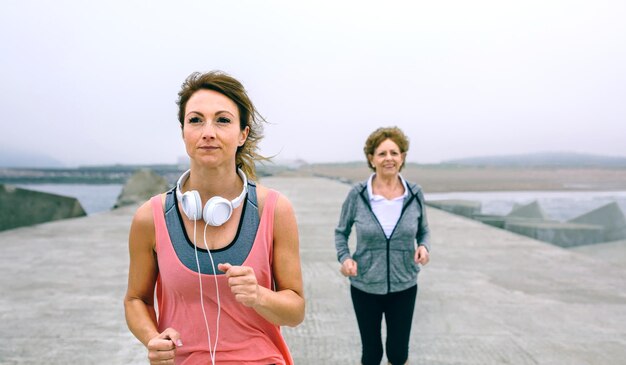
x: 398, y: 309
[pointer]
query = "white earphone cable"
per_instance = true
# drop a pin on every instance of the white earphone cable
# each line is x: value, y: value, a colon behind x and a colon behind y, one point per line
x: 217, y: 295
x: 206, y: 322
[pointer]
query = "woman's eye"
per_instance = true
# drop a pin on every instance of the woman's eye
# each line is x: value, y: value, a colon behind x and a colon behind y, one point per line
x: 223, y: 120
x: 194, y: 120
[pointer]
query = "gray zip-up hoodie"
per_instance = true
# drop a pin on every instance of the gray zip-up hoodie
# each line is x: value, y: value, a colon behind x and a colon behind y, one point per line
x: 384, y: 265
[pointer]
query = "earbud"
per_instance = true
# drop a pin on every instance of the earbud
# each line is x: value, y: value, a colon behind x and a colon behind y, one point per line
x: 216, y: 211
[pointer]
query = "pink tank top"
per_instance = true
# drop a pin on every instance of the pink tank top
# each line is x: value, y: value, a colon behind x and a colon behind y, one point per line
x: 244, y: 336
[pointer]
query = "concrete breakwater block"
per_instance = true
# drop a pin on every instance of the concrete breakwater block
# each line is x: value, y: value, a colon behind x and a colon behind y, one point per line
x: 530, y: 210
x: 501, y: 221
x: 497, y: 221
x: 603, y: 224
x: 562, y: 234
x: 610, y: 217
x: 22, y: 207
x: 141, y: 186
x: 467, y: 208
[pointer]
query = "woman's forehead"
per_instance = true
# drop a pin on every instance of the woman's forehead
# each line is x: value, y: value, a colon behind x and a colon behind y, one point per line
x: 205, y: 99
x: 387, y: 144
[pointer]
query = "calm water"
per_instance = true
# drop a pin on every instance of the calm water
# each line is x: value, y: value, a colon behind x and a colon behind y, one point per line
x: 559, y: 205
x: 94, y: 198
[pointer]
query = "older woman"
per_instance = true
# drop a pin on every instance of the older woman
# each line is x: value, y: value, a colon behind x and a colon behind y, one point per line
x: 392, y: 240
x: 219, y: 251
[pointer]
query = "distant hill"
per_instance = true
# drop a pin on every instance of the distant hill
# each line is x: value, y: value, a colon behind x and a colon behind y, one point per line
x: 556, y: 159
x: 28, y: 159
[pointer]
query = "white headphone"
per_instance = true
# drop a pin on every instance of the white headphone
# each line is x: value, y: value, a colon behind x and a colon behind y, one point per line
x: 217, y: 210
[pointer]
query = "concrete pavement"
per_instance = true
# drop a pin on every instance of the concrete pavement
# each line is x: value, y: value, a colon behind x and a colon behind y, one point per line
x: 487, y: 297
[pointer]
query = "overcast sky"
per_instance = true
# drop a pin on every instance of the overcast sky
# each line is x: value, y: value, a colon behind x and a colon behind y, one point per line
x: 96, y: 82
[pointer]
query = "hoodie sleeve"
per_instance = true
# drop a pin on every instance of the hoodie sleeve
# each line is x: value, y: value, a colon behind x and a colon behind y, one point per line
x: 344, y: 227
x: 423, y: 232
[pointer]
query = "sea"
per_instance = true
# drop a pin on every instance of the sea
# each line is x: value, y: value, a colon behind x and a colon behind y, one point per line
x: 94, y: 198
x: 557, y: 205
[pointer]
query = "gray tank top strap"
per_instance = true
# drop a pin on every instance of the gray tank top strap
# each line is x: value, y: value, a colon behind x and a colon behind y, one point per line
x: 234, y: 253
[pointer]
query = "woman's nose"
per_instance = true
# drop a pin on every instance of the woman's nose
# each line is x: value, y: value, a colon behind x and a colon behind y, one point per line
x: 208, y: 130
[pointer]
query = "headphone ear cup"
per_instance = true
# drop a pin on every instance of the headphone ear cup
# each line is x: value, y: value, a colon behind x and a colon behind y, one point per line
x: 192, y: 205
x: 217, y: 211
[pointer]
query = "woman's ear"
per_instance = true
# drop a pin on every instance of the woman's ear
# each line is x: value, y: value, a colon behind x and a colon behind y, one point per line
x: 243, y: 136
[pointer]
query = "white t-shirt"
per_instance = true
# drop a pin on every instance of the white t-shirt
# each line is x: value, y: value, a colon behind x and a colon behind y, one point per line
x: 386, y: 211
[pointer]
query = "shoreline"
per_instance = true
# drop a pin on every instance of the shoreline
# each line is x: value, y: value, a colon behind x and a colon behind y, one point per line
x: 432, y: 178
x: 475, y: 179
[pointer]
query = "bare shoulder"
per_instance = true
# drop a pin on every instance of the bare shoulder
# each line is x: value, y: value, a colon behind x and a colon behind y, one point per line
x: 143, y: 216
x: 283, y: 205
x: 142, y: 226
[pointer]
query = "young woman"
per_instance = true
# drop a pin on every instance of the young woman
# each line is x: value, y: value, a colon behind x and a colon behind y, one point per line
x: 219, y: 251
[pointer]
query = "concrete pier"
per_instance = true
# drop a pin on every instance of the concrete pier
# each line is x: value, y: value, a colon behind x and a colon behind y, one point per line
x: 488, y: 296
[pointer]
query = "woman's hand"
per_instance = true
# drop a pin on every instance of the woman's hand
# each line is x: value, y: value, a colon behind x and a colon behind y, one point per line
x: 242, y: 282
x: 162, y: 348
x: 349, y: 268
x: 421, y: 255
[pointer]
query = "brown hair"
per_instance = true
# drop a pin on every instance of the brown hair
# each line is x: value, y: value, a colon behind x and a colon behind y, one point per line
x: 379, y: 136
x: 248, y: 115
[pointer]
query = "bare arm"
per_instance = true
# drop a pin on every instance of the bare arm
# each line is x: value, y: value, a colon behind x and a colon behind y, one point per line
x: 285, y: 306
x: 142, y: 274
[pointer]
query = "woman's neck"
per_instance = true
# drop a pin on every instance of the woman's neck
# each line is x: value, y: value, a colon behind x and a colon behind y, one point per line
x: 224, y: 182
x: 389, y: 186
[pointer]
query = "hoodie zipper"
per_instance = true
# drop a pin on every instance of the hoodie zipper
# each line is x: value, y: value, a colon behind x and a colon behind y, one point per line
x: 369, y: 206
